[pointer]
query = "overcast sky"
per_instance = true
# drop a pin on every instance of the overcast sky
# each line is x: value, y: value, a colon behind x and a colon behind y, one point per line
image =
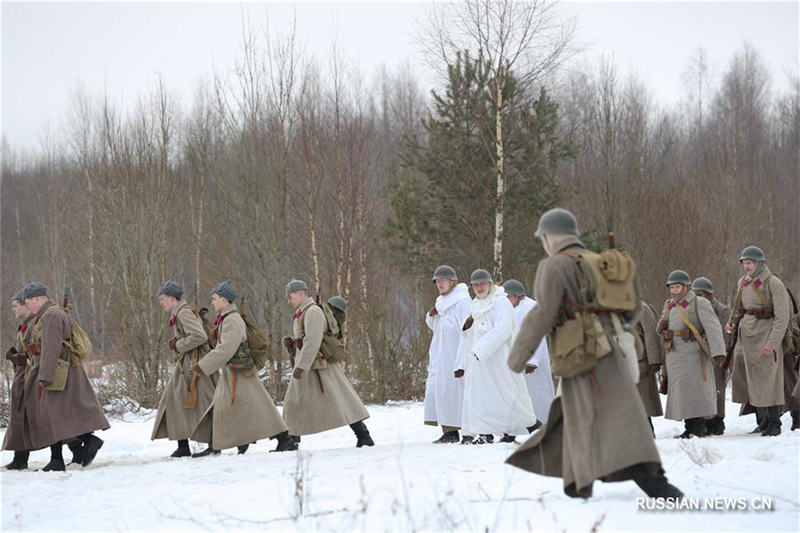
x: 48, y: 49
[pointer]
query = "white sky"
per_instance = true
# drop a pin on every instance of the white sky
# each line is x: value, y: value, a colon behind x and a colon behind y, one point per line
x: 48, y: 49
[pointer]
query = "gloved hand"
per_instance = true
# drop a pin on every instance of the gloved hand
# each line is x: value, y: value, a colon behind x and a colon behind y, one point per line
x: 459, y: 373
x: 197, y: 368
x: 432, y: 311
x: 173, y: 344
x: 468, y: 323
x: 288, y: 343
x: 529, y: 369
x: 298, y: 373
x: 11, y: 352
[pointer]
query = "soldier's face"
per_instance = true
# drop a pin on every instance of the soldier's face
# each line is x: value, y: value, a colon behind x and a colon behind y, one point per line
x: 677, y: 290
x: 18, y: 309
x: 167, y: 302
x: 513, y: 299
x: 297, y: 298
x: 444, y: 285
x: 481, y: 288
x: 34, y: 304
x: 749, y: 266
x: 218, y: 302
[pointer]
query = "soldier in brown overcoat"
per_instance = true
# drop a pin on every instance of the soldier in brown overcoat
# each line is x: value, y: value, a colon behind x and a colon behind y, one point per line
x: 18, y: 356
x: 242, y: 410
x: 597, y: 428
x: 177, y: 419
x: 761, y: 314
x: 703, y: 288
x: 52, y: 416
x: 319, y: 397
x: 651, y: 358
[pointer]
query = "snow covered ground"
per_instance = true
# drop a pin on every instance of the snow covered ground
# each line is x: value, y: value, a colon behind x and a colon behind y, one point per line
x: 404, y: 483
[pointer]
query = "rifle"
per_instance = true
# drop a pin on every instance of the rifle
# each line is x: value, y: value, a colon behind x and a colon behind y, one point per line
x: 736, y: 314
x: 610, y: 231
x: 65, y: 305
x: 191, y: 399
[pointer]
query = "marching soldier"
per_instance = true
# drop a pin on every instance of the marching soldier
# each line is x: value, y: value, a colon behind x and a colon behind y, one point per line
x: 319, y: 397
x: 187, y: 396
x: 650, y: 360
x: 760, y: 316
x: 444, y: 393
x: 242, y: 411
x: 63, y: 410
x: 703, y: 288
x: 18, y: 356
x: 692, y: 339
x: 538, y: 377
x: 597, y: 428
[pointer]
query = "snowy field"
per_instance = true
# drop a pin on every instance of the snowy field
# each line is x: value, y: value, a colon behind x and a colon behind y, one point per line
x: 404, y: 483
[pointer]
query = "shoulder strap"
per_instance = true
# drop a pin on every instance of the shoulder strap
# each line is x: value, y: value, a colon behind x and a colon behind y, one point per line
x: 700, y: 340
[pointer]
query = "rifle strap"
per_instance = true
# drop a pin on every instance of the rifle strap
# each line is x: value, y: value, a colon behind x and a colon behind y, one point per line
x: 700, y: 340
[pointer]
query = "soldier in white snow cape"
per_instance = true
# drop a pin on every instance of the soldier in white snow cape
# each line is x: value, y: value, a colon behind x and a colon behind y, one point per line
x: 444, y: 393
x: 496, y: 399
x: 538, y: 377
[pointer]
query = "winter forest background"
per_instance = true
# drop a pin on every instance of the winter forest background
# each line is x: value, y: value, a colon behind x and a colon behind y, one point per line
x: 362, y: 183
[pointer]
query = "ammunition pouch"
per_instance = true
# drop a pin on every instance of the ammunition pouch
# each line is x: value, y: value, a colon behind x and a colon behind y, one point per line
x: 577, y: 344
x: 35, y: 349
x: 62, y: 371
x: 242, y: 361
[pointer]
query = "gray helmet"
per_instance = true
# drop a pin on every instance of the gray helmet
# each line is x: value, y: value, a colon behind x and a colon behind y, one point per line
x: 702, y: 284
x: 753, y: 253
x: 479, y: 276
x: 514, y: 287
x: 679, y: 276
x: 557, y: 221
x: 444, y: 272
x: 337, y: 302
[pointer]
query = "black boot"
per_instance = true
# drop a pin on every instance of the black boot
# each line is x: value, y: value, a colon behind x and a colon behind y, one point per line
x: 507, y: 438
x: 20, y: 461
x: 652, y: 429
x: 534, y: 427
x: 56, y: 463
x: 362, y: 434
x: 183, y: 449
x: 653, y: 481
x: 761, y: 420
x: 286, y: 442
x: 795, y: 419
x: 694, y: 427
x: 77, y: 449
x: 716, y: 425
x: 91, y: 445
x: 208, y: 451
x: 241, y: 450
x: 773, y: 428
x: 467, y: 439
x: 448, y: 437
x: 585, y: 492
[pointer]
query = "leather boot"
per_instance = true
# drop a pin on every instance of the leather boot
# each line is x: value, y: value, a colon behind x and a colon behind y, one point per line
x: 653, y: 481
x: 761, y: 420
x: 76, y: 447
x: 91, y: 445
x: 773, y: 428
x: 795, y: 419
x: 362, y: 434
x: 56, y: 463
x: 208, y: 451
x: 20, y: 461
x: 448, y: 437
x: 716, y: 426
x: 286, y: 442
x: 183, y: 449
